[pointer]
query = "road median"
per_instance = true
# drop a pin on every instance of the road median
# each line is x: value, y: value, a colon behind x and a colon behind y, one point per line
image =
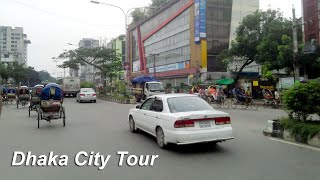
x: 120, y: 100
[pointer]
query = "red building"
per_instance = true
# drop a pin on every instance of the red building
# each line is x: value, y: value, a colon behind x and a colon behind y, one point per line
x: 311, y: 9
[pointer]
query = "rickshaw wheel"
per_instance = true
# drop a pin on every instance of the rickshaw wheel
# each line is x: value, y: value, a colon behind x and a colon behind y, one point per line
x: 38, y: 120
x: 64, y: 117
x: 233, y: 103
x: 243, y: 105
x: 29, y: 110
x: 17, y: 104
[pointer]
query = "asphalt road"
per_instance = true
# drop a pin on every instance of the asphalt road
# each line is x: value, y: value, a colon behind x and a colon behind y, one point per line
x: 103, y: 127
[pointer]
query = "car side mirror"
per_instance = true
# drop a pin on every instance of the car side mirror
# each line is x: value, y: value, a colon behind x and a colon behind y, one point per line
x: 138, y: 106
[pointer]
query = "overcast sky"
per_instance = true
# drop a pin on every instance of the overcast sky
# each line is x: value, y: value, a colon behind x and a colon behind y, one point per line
x: 52, y: 24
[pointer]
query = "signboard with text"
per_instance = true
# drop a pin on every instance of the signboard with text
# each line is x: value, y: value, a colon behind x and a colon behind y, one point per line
x: 136, y: 66
x: 171, y: 67
x: 200, y: 20
x: 286, y: 83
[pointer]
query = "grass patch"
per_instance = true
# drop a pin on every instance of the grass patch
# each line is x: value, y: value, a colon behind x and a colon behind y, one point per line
x: 301, y: 129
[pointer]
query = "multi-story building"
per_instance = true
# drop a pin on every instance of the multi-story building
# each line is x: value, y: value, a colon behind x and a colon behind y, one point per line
x: 118, y: 45
x: 13, y: 45
x: 184, y: 38
x: 88, y: 72
x: 311, y: 17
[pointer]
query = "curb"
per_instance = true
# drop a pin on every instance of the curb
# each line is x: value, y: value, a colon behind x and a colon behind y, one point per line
x: 274, y: 130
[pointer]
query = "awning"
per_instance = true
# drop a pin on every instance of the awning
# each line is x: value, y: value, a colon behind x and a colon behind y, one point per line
x: 224, y: 81
x: 143, y: 79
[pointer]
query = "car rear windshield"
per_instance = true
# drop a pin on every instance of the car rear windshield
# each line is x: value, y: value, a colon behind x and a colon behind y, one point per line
x: 156, y: 86
x: 87, y: 90
x: 187, y: 103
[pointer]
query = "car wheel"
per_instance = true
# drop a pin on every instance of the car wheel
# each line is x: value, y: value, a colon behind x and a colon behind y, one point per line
x: 132, y: 125
x: 80, y: 101
x: 94, y: 101
x: 160, y: 138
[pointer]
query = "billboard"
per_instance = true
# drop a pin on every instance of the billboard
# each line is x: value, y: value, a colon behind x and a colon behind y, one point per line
x: 171, y: 67
x: 286, y: 83
x: 200, y: 20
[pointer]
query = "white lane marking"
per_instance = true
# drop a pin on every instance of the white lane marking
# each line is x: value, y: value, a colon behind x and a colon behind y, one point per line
x: 295, y: 144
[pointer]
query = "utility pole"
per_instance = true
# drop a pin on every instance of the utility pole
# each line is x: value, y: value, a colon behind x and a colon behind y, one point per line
x: 154, y: 63
x: 295, y: 46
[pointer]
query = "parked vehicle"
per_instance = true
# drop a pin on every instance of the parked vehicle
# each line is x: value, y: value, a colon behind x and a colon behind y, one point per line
x: 70, y: 85
x: 180, y: 119
x: 86, y: 94
x: 146, y: 86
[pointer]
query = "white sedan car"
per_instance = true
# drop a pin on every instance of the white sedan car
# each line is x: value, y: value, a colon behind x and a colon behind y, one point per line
x: 86, y: 94
x: 180, y: 119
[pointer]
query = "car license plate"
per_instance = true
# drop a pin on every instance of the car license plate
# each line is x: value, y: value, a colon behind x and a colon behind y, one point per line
x: 204, y: 124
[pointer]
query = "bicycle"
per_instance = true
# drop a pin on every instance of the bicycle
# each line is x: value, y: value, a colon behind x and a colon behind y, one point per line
x: 222, y: 103
x: 244, y: 105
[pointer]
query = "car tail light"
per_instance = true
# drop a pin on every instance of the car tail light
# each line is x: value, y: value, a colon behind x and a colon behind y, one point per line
x: 94, y: 94
x: 222, y: 120
x: 184, y: 123
x: 82, y: 95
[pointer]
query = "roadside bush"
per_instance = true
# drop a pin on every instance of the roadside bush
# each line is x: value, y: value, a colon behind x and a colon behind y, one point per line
x: 87, y: 85
x: 122, y: 87
x: 301, y: 129
x: 302, y: 100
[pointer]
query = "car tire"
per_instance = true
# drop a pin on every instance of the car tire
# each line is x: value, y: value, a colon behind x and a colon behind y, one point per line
x: 132, y: 125
x: 160, y: 138
x: 80, y: 101
x: 94, y: 101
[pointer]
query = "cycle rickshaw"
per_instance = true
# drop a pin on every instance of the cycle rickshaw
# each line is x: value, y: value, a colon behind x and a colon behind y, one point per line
x: 11, y: 94
x: 23, y: 96
x: 51, y: 107
x: 35, y: 98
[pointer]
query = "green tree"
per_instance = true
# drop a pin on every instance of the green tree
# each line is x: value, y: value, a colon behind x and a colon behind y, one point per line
x: 141, y: 13
x: 105, y: 60
x: 257, y: 39
x: 158, y: 3
x: 308, y: 61
x: 16, y: 71
x: 31, y: 77
x: 45, y: 76
x: 138, y: 14
x: 4, y: 72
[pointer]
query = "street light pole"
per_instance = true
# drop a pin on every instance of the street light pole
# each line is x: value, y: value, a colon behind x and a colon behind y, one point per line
x: 295, y: 46
x: 154, y: 63
x: 125, y: 22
